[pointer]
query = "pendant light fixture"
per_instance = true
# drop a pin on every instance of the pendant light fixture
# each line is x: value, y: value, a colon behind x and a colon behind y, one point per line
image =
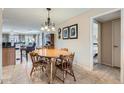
x: 48, y: 25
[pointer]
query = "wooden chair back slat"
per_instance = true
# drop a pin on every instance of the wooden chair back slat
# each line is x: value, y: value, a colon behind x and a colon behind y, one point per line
x: 65, y: 49
x: 34, y: 57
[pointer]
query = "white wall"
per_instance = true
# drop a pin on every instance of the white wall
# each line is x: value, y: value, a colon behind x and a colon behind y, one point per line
x: 80, y: 46
x: 0, y: 44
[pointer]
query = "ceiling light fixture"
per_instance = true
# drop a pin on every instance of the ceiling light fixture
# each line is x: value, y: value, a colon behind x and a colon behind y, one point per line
x: 48, y: 26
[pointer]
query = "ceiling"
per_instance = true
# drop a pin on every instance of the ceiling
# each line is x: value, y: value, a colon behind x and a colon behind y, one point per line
x: 30, y: 19
x: 109, y: 17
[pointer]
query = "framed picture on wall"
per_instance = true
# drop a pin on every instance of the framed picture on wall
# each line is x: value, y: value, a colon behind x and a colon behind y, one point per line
x: 65, y: 33
x: 59, y: 33
x: 73, y: 34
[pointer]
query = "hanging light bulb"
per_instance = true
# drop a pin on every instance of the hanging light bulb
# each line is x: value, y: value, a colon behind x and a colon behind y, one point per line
x: 53, y: 28
x: 46, y: 27
x: 42, y: 28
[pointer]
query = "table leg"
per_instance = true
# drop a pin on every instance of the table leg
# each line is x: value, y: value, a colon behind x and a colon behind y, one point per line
x: 21, y: 55
x: 51, y: 73
x: 52, y: 63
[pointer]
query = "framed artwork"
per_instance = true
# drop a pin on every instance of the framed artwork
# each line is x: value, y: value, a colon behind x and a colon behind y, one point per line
x: 59, y: 33
x: 65, y: 33
x: 73, y: 34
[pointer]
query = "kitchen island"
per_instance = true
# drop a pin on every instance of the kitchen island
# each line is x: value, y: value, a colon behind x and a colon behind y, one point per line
x: 8, y: 56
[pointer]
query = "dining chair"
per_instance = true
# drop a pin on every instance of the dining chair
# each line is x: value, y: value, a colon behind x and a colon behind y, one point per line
x: 30, y: 48
x: 36, y: 63
x: 66, y: 66
x: 59, y: 58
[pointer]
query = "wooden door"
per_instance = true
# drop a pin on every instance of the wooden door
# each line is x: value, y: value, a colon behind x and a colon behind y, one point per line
x: 116, y: 29
x: 106, y: 43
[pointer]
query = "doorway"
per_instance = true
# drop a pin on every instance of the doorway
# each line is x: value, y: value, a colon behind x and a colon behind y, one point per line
x: 106, y: 43
x: 96, y: 42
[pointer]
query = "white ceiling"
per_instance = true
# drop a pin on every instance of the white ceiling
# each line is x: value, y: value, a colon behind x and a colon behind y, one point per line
x: 109, y: 17
x: 30, y: 19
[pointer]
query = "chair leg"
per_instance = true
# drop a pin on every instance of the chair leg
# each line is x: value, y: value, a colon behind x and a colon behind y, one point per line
x: 66, y: 73
x: 27, y: 56
x: 45, y: 70
x: 63, y: 76
x: 73, y: 75
x: 55, y: 72
x: 32, y: 70
x: 42, y: 68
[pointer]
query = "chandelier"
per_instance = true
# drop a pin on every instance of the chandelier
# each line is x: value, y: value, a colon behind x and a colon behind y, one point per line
x: 48, y: 25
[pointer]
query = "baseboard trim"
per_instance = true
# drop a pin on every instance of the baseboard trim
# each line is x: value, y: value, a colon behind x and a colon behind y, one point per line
x: 107, y: 64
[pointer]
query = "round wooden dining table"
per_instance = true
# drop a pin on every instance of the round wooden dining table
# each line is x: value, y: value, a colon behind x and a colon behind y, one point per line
x: 52, y: 54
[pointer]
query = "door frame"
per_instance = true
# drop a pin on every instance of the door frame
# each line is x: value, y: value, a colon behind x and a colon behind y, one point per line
x: 122, y: 40
x: 1, y: 46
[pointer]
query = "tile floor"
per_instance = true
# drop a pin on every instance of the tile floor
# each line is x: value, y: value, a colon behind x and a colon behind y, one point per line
x: 20, y: 74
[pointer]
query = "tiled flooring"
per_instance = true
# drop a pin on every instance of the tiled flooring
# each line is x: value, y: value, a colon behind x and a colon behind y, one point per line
x: 19, y: 74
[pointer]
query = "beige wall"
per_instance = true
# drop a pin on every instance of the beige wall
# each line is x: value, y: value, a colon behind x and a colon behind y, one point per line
x: 106, y: 43
x: 80, y: 46
x: 122, y: 46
